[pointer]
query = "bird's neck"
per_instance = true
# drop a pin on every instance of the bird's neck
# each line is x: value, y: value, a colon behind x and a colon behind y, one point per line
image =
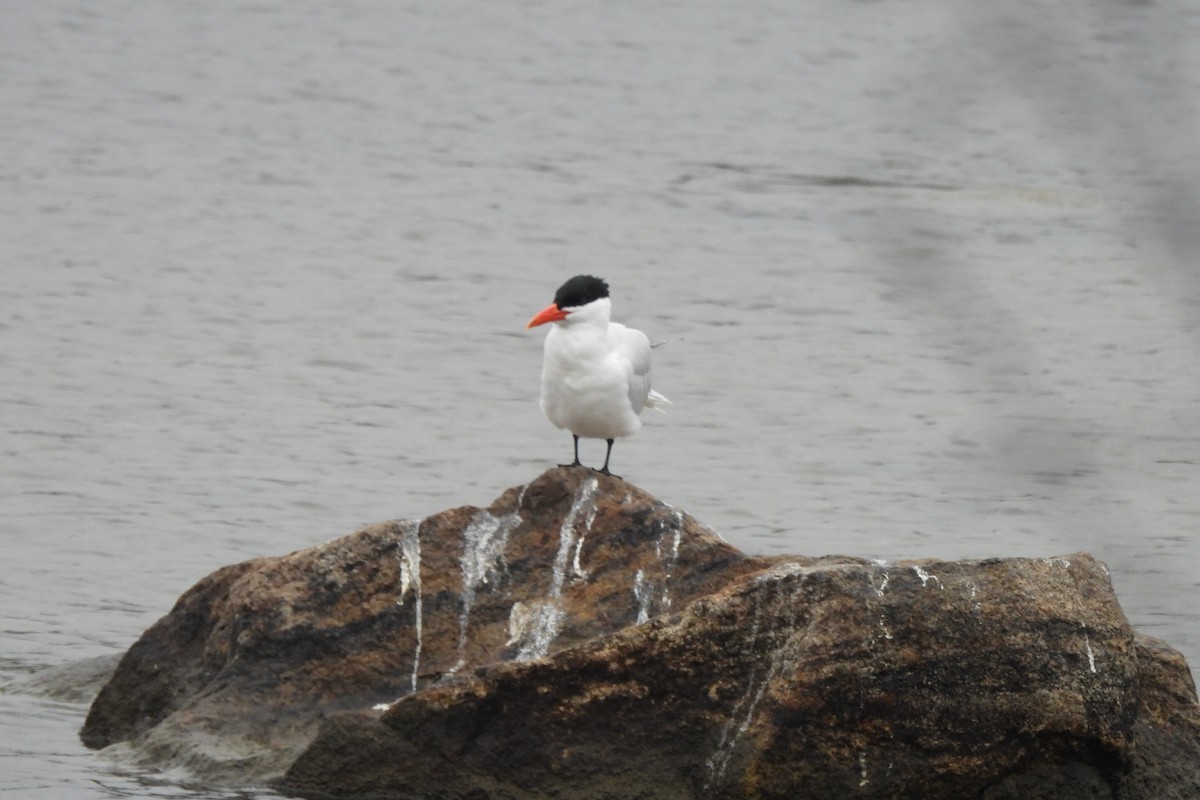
x: 577, y: 344
x: 595, y: 315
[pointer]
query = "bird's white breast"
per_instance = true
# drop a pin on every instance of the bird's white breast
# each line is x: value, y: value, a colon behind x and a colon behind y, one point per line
x: 586, y: 380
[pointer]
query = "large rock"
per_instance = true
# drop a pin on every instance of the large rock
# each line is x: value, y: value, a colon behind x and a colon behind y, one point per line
x: 994, y: 679
x: 233, y: 683
x: 580, y: 639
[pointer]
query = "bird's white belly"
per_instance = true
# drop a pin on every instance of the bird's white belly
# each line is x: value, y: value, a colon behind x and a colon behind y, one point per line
x: 593, y: 404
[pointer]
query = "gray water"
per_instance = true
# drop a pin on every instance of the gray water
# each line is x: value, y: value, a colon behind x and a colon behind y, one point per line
x: 924, y: 272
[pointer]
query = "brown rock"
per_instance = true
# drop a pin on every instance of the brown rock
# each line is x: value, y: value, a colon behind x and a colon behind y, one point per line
x: 234, y: 681
x: 580, y: 639
x: 815, y: 678
x: 1165, y: 756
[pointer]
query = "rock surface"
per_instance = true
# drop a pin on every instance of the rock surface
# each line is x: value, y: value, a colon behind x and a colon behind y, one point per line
x: 580, y: 639
x: 234, y: 681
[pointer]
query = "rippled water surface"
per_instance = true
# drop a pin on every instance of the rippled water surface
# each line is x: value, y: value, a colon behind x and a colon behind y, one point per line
x: 925, y: 278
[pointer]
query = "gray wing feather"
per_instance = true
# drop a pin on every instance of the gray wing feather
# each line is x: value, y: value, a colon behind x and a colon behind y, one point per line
x: 633, y: 348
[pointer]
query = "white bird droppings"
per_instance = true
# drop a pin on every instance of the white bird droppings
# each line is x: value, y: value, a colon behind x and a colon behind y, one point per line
x: 536, y: 625
x: 410, y: 577
x: 926, y: 577
x: 776, y: 601
x: 484, y: 541
x: 641, y: 593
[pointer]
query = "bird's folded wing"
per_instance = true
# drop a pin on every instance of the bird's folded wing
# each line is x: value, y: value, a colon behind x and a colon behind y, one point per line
x: 632, y: 347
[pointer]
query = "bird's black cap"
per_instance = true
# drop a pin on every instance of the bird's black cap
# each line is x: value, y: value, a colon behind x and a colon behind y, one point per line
x: 579, y: 291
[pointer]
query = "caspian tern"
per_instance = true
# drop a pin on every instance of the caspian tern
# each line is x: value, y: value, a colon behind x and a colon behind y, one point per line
x: 595, y: 373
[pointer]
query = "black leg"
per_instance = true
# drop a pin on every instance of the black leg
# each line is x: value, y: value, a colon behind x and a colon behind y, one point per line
x: 604, y: 469
x: 576, y: 463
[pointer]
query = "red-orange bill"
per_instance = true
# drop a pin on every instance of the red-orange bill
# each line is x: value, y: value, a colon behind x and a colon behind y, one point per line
x: 551, y: 313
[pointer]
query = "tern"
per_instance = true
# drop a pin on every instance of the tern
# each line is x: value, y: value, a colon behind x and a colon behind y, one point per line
x: 595, y: 372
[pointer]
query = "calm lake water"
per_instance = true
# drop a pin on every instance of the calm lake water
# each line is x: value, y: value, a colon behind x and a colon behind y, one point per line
x: 925, y: 274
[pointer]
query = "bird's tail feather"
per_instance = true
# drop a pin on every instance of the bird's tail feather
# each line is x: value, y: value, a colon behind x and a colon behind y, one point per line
x: 657, y: 401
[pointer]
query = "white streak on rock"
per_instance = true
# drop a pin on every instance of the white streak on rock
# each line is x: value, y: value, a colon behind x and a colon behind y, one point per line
x: 641, y: 593
x: 544, y: 618
x: 780, y: 640
x: 926, y: 577
x: 576, y: 569
x: 880, y: 590
x: 862, y: 764
x: 566, y: 534
x: 672, y: 559
x: 535, y: 627
x: 410, y: 577
x: 719, y: 760
x: 484, y: 541
x: 786, y: 569
x: 518, y: 621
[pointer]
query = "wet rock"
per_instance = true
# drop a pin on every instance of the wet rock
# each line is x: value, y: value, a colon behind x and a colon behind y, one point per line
x: 825, y: 678
x: 580, y: 639
x: 1165, y: 757
x: 234, y: 681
